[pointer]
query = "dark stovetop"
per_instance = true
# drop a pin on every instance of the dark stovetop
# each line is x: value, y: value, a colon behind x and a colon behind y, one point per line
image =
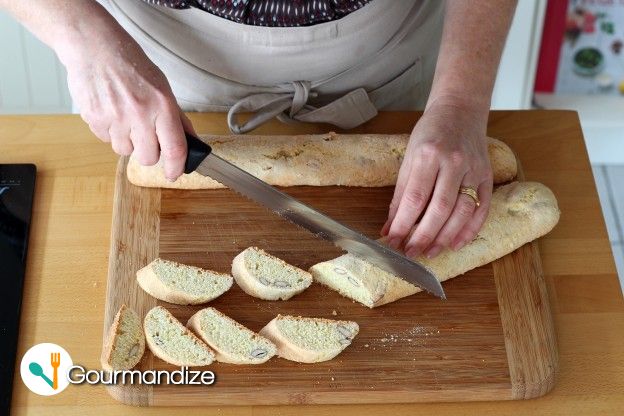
x: 17, y: 183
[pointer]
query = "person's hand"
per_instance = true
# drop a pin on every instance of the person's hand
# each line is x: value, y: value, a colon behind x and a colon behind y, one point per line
x: 126, y: 100
x: 447, y: 150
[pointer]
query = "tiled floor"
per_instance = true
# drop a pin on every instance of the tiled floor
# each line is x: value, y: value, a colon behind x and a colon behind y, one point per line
x: 610, y: 184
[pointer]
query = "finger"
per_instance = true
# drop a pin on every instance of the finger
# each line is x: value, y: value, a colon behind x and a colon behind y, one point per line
x: 98, y: 125
x: 122, y: 146
x: 399, y: 188
x: 172, y: 143
x: 437, y: 213
x: 186, y: 124
x: 120, y: 139
x: 413, y: 201
x: 101, y: 133
x: 146, y: 150
x: 463, y: 211
x: 472, y: 227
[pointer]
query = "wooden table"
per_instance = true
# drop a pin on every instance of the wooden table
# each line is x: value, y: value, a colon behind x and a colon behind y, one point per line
x: 68, y: 258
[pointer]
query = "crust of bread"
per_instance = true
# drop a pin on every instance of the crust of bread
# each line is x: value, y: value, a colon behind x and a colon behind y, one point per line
x: 158, y: 352
x: 519, y: 213
x: 112, y: 336
x: 292, y: 352
x: 253, y: 287
x: 367, y: 160
x: 149, y: 282
x: 221, y: 355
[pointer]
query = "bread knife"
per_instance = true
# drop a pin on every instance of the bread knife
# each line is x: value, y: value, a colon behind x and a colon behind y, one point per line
x: 202, y: 160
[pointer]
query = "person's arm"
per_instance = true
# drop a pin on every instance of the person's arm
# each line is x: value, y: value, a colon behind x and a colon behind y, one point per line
x: 447, y: 148
x: 121, y: 94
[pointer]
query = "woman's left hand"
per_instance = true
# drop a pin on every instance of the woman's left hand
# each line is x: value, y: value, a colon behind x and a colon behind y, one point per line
x: 447, y: 150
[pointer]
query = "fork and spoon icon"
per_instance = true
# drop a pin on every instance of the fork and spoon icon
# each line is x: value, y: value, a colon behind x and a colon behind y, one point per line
x: 55, y: 361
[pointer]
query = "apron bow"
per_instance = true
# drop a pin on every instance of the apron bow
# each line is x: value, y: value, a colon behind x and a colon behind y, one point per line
x: 346, y: 112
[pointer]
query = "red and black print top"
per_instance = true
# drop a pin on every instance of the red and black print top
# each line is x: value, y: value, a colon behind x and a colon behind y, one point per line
x: 271, y: 12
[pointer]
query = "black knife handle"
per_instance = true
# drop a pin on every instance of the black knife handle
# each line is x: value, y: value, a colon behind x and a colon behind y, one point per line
x: 197, y: 151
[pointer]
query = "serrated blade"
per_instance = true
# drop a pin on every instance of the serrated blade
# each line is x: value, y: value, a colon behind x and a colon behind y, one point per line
x: 319, y: 224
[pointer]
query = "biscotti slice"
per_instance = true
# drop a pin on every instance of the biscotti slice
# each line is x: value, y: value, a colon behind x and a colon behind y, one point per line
x: 232, y: 342
x: 180, y: 284
x: 125, y: 342
x: 519, y: 213
x: 309, y: 340
x: 265, y: 276
x: 172, y: 342
x: 368, y: 160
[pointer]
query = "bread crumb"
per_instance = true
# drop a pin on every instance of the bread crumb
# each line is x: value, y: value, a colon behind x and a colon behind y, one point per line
x: 333, y: 379
x: 365, y: 345
x: 334, y: 312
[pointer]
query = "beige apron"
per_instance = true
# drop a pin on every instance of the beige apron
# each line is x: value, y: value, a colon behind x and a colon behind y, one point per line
x: 380, y: 57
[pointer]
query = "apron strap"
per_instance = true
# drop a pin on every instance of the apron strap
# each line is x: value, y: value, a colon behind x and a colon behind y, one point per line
x: 346, y: 112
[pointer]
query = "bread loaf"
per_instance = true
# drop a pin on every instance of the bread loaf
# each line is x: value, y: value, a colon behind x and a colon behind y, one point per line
x: 520, y: 212
x: 125, y: 342
x: 309, y: 340
x: 368, y: 160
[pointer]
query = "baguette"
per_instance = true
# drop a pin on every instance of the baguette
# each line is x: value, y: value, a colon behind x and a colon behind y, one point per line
x: 180, y: 284
x: 368, y: 160
x: 309, y: 340
x: 172, y: 342
x: 519, y: 213
x: 232, y: 342
x: 125, y: 342
x: 264, y: 276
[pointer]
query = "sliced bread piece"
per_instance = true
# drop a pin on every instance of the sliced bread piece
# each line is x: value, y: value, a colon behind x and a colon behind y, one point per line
x: 125, y: 342
x: 309, y: 340
x: 180, y: 284
x: 519, y: 213
x: 171, y: 341
x: 265, y: 276
x: 232, y: 342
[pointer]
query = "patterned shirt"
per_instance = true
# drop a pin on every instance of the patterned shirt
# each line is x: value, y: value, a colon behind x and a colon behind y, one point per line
x: 286, y: 13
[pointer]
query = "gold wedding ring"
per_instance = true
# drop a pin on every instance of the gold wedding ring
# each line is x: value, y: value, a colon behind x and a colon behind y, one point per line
x: 472, y: 193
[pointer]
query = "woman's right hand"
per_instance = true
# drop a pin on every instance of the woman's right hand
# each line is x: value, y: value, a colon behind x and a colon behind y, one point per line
x: 126, y: 99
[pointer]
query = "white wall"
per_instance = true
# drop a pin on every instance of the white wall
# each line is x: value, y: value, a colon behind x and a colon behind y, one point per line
x: 516, y: 74
x: 31, y: 78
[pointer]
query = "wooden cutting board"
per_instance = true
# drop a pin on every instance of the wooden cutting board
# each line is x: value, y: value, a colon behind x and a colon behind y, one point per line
x: 492, y: 339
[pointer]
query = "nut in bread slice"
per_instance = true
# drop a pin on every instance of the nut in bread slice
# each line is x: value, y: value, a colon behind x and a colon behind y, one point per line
x: 232, y: 342
x: 309, y: 340
x: 519, y: 213
x: 181, y: 284
x: 172, y: 342
x: 264, y: 276
x: 125, y: 342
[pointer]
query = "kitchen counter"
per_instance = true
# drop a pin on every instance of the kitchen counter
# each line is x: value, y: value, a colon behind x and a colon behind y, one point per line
x: 69, y: 245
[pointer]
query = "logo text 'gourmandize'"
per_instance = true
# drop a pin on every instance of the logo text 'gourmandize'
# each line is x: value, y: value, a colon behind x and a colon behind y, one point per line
x: 78, y: 375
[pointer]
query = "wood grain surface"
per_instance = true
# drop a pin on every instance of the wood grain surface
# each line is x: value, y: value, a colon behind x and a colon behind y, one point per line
x: 492, y: 339
x: 70, y: 244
